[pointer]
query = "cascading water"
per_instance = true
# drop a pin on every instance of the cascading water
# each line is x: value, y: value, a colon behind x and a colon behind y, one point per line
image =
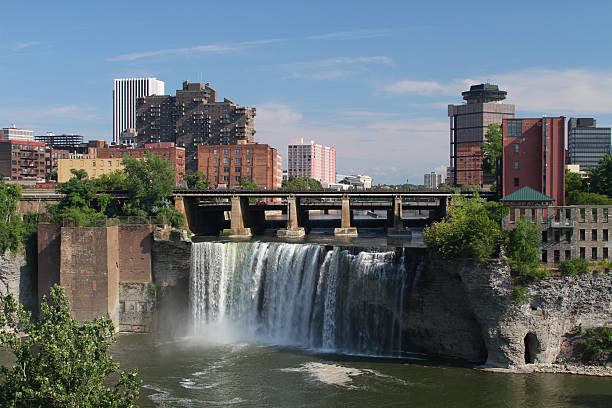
x: 300, y: 295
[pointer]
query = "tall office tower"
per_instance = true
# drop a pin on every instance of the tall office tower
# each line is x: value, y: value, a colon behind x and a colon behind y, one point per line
x: 534, y: 156
x: 432, y: 180
x: 193, y: 117
x: 586, y: 143
x: 308, y: 159
x: 125, y: 93
x: 468, y: 128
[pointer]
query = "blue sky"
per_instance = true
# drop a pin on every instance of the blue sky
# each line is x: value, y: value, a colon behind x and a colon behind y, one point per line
x: 372, y: 79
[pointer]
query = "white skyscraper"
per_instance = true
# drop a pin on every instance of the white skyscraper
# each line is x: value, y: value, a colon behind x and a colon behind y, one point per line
x: 125, y: 93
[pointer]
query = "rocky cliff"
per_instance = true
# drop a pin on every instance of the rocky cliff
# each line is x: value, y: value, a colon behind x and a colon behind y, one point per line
x: 18, y: 276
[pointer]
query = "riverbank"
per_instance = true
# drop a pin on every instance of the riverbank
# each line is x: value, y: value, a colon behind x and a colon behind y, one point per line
x: 597, y: 371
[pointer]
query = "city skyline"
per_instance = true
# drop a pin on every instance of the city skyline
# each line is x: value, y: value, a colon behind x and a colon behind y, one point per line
x: 342, y: 74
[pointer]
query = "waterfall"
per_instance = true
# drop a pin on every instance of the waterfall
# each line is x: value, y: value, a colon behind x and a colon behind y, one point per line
x: 300, y: 295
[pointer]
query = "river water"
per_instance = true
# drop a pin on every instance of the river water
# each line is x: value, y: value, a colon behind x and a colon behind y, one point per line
x: 197, y: 372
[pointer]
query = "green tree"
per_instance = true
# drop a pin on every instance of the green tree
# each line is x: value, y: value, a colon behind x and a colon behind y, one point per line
x: 302, y: 183
x: 52, y: 176
x: 600, y: 178
x: 197, y: 181
x: 60, y: 362
x: 80, y: 202
x: 14, y: 232
x: 522, y: 249
x: 111, y: 181
x: 492, y: 149
x: 468, y: 232
x: 150, y: 184
x: 248, y: 184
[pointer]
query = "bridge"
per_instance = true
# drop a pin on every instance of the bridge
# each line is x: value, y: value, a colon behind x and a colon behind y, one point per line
x: 205, y: 210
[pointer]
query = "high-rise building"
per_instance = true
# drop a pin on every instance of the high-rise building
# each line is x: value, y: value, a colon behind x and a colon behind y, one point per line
x: 191, y: 118
x: 226, y: 165
x: 534, y: 156
x: 62, y: 141
x: 468, y: 128
x: 22, y: 160
x: 587, y: 144
x: 13, y: 133
x: 432, y: 180
x: 308, y: 159
x: 125, y: 93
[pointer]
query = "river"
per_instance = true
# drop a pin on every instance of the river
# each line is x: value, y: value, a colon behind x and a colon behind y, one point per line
x: 191, y: 372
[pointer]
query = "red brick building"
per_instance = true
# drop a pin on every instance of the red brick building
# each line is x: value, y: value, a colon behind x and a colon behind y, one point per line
x: 534, y: 156
x: 167, y: 150
x: 22, y: 160
x: 225, y: 165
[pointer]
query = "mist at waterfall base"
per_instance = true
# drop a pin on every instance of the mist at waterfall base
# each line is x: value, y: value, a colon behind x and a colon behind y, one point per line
x: 298, y: 295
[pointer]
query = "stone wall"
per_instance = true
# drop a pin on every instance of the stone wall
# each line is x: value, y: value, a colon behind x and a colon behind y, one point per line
x: 136, y: 307
x: 17, y: 276
x: 135, y: 243
x: 49, y: 241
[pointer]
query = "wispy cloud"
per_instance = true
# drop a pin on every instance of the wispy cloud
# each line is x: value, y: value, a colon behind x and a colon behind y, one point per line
x: 410, y: 146
x: 194, y: 50
x: 351, y: 34
x: 538, y: 90
x: 331, y: 68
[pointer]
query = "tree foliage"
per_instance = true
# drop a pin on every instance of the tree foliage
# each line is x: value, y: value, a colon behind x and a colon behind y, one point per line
x: 248, y: 184
x: 600, y: 178
x: 471, y: 230
x: 14, y: 232
x: 492, y: 149
x: 302, y: 183
x: 150, y: 184
x: 522, y: 249
x: 197, y: 181
x: 596, y: 189
x: 60, y: 362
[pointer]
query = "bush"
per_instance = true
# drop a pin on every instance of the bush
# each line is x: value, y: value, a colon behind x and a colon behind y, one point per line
x: 522, y: 250
x: 596, y: 343
x: 521, y: 295
x: 574, y: 267
x: 60, y: 362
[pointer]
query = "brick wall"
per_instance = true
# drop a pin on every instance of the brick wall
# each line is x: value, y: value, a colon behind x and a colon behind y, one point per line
x: 135, y: 253
x: 48, y: 258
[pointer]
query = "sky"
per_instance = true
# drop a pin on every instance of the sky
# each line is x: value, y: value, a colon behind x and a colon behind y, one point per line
x: 372, y: 79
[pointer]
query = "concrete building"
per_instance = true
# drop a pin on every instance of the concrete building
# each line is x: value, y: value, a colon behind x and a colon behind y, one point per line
x: 308, y: 159
x: 51, y: 160
x: 125, y: 93
x: 468, y: 128
x: 226, y: 165
x: 432, y: 180
x: 93, y: 166
x: 534, y: 156
x: 63, y: 141
x: 356, y: 181
x: 193, y: 117
x: 22, y: 160
x: 167, y: 151
x: 587, y: 144
x: 13, y: 133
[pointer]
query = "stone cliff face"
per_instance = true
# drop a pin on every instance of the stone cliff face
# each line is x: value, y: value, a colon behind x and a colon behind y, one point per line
x: 467, y: 309
x: 17, y: 276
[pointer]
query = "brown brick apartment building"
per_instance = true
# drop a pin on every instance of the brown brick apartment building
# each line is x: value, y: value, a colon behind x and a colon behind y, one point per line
x: 225, y: 165
x: 22, y: 160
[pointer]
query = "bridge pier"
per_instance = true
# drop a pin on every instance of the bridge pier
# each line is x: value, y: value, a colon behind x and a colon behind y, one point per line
x: 345, y: 229
x: 397, y: 229
x: 293, y: 229
x: 238, y: 218
x: 179, y: 204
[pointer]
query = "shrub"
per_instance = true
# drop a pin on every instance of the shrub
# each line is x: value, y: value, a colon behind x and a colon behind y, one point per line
x: 523, y: 252
x: 521, y: 295
x: 574, y: 267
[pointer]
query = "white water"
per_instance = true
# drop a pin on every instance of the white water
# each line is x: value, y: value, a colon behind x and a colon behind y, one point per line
x: 298, y: 295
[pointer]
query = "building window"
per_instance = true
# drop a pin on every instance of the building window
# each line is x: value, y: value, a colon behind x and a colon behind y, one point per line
x: 605, y: 235
x: 248, y: 169
x: 110, y: 163
x: 605, y: 253
x: 215, y: 151
x: 568, y: 254
x: 237, y: 178
x: 226, y: 169
x: 515, y: 128
x: 248, y: 159
x: 593, y: 253
x: 594, y: 214
x: 93, y: 164
x: 556, y: 256
x: 582, y: 214
x: 582, y: 234
x: 225, y: 151
x: 557, y: 236
x: 226, y: 160
x: 237, y: 151
x: 544, y: 256
x: 237, y: 169
x: 582, y: 253
x: 215, y: 160
x: 237, y: 160
x: 516, y: 148
x: 516, y: 165
x: 568, y: 236
x: 248, y: 151
x: 605, y: 215
x: 545, y: 236
x: 594, y: 235
x: 516, y: 182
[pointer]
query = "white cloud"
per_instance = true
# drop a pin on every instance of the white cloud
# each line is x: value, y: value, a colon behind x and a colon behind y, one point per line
x: 351, y: 34
x: 331, y: 68
x: 409, y: 146
x: 197, y: 49
x: 543, y: 91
